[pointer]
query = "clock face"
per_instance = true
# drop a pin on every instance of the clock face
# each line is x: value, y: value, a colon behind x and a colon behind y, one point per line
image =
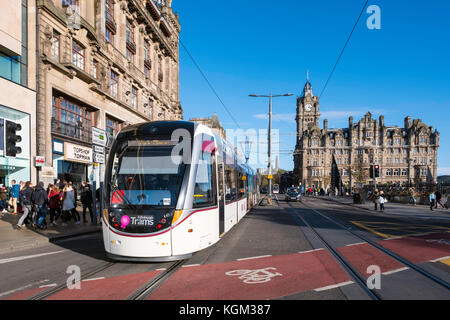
x: 308, y: 107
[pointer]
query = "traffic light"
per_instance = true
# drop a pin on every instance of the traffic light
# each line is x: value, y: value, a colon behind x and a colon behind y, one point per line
x: 11, y: 138
x: 377, y: 171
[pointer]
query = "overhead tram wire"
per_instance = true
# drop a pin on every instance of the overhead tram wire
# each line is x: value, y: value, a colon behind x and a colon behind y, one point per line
x: 343, y: 49
x: 208, y: 82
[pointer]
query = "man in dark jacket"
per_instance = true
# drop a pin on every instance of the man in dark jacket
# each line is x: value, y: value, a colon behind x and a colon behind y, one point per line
x: 40, y: 201
x: 87, y: 200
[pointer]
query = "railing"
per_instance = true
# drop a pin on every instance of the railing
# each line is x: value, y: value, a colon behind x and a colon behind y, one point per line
x: 71, y: 131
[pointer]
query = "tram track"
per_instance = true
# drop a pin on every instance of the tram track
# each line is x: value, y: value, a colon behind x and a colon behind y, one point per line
x: 348, y: 267
x: 54, y: 290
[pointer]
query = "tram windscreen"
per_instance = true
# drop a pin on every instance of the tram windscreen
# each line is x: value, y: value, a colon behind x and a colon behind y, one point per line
x: 146, y: 173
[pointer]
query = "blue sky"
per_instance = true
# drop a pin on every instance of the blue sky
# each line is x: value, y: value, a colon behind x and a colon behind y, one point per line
x: 261, y: 46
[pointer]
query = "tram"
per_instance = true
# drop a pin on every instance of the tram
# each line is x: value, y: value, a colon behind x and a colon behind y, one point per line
x: 172, y: 188
x: 276, y: 189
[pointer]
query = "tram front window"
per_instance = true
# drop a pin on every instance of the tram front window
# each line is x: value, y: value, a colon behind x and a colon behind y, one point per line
x: 145, y: 173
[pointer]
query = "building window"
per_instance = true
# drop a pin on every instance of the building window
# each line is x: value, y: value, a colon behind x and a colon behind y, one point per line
x: 71, y: 119
x: 388, y: 172
x: 114, y: 84
x: 133, y: 97
x: 74, y: 4
x: 55, y: 45
x: 404, y: 172
x: 77, y: 55
x: 94, y: 68
x: 109, y: 36
x: 396, y: 172
x: 113, y: 126
x: 10, y: 67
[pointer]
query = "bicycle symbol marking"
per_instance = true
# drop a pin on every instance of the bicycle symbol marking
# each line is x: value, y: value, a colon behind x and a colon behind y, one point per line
x: 254, y: 276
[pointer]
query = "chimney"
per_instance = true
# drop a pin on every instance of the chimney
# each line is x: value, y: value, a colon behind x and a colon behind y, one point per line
x: 325, y: 124
x: 350, y: 122
x: 407, y: 122
x: 381, y: 121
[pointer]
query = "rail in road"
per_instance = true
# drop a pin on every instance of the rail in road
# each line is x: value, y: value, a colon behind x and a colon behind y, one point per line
x: 352, y: 271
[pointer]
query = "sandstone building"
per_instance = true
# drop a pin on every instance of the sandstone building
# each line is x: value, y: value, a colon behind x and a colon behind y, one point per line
x: 406, y: 155
x: 103, y: 64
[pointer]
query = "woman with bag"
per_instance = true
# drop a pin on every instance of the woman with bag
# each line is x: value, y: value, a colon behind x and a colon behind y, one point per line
x: 68, y: 206
x: 54, y: 203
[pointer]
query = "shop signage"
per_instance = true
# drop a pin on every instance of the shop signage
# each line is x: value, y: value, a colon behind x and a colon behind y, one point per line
x: 99, y: 137
x: 58, y: 147
x: 76, y: 153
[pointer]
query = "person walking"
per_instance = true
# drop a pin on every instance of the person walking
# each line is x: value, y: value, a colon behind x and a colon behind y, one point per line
x: 26, y: 200
x: 54, y: 203
x: 40, y: 201
x: 438, y: 196
x: 15, y: 188
x: 375, y: 195
x: 68, y: 206
x: 381, y: 201
x: 432, y: 198
x: 86, y: 201
x: 3, y: 199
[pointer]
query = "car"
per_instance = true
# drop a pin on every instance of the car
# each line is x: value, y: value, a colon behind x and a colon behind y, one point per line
x: 293, y: 194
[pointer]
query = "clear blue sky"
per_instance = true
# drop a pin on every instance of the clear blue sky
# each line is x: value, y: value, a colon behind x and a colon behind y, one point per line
x: 262, y: 46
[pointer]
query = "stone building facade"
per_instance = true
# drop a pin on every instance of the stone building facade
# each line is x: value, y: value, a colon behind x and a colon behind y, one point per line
x: 212, y: 123
x: 103, y: 64
x: 406, y: 155
x: 18, y: 88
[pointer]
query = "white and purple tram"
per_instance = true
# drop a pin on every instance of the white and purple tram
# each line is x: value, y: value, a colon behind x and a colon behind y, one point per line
x: 171, y: 189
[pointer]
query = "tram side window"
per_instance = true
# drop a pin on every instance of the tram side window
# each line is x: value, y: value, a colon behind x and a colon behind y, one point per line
x: 241, y: 185
x: 204, y: 191
x: 230, y: 184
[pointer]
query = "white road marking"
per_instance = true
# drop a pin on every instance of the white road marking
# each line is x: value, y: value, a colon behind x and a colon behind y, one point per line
x: 439, y: 259
x: 394, y: 271
x: 191, y: 265
x: 333, y: 286
x: 94, y: 279
x: 10, y: 292
x: 251, y: 258
x: 161, y: 269
x: 3, y: 261
x: 311, y: 250
x: 355, y: 244
x: 49, y: 285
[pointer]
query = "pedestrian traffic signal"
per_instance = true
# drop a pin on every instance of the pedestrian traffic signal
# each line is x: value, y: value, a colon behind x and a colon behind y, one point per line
x: 11, y: 139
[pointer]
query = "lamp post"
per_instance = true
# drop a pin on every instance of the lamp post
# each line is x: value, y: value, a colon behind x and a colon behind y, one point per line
x: 271, y: 96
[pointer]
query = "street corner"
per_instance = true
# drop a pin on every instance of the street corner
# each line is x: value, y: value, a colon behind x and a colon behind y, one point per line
x: 254, y: 278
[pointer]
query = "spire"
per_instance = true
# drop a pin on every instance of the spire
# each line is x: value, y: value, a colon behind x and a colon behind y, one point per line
x: 308, y: 88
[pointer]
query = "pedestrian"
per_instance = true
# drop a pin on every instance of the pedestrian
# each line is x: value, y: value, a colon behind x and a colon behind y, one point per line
x: 15, y: 188
x: 3, y: 199
x: 68, y: 205
x: 432, y: 198
x: 375, y: 197
x: 438, y: 199
x: 412, y: 199
x: 381, y: 201
x: 54, y: 203
x: 39, y: 198
x: 26, y: 200
x: 87, y: 200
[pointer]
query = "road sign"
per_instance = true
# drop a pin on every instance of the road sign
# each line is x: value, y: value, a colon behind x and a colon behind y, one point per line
x: 98, y: 149
x: 99, y: 137
x: 270, y: 177
x: 99, y: 158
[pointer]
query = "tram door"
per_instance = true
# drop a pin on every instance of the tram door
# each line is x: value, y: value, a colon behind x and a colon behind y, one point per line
x: 221, y: 181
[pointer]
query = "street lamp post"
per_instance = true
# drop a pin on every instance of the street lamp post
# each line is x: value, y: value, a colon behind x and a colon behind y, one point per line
x: 271, y: 96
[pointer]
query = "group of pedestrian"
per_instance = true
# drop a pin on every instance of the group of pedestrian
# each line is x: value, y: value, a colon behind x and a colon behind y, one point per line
x: 379, y: 199
x: 60, y: 199
x: 435, y: 199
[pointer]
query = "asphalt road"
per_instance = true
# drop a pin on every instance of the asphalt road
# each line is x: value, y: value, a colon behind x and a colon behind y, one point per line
x: 270, y: 254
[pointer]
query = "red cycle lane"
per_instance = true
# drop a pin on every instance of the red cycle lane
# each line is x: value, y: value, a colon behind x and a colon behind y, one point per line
x: 261, y: 278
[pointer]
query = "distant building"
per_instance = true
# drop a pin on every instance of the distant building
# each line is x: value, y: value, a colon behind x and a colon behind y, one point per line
x: 405, y: 155
x: 212, y: 123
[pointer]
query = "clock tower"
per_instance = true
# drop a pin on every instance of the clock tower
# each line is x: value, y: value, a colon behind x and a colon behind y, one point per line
x: 307, y: 110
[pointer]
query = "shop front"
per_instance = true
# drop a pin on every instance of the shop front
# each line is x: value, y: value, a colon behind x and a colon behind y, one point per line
x: 15, y: 168
x: 72, y: 162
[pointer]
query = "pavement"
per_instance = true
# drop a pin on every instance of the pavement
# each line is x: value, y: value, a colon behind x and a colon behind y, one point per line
x: 12, y: 240
x: 397, y: 209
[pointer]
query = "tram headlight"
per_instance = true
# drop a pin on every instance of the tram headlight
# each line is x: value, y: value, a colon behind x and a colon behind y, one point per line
x: 105, y: 213
x: 176, y: 216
